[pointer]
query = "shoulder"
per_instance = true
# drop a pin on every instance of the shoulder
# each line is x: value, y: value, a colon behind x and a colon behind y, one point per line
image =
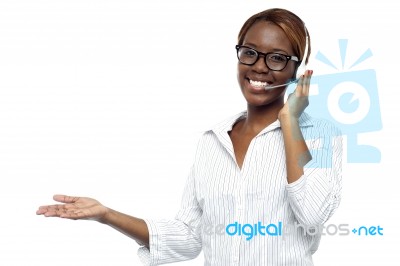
x: 218, y: 134
x: 225, y: 125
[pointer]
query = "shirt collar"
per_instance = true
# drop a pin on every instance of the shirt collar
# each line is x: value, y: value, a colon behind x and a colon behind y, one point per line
x: 305, y: 120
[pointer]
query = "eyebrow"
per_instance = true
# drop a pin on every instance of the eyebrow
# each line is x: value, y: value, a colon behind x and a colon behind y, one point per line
x: 276, y: 50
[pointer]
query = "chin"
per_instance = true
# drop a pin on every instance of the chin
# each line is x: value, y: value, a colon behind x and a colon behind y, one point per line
x: 263, y: 100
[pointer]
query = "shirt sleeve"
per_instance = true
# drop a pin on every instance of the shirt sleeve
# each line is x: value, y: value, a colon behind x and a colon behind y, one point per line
x: 178, y: 239
x: 316, y: 195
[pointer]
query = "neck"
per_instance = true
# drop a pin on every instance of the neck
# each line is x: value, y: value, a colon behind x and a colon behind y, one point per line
x: 259, y: 117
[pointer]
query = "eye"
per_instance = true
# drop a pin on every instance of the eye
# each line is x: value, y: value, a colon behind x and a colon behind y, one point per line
x: 277, y: 58
x: 248, y: 52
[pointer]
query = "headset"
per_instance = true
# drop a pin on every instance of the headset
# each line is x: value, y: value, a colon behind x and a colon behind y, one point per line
x: 300, y: 70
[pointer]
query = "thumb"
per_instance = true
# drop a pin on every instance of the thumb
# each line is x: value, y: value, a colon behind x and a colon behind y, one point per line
x: 65, y: 198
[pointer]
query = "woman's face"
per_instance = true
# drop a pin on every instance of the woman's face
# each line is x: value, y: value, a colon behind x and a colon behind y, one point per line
x: 265, y: 37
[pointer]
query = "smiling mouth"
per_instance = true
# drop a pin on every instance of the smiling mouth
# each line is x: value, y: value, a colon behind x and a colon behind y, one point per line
x: 259, y: 84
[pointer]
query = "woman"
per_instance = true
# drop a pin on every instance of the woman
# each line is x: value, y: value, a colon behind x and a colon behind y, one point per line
x: 257, y: 193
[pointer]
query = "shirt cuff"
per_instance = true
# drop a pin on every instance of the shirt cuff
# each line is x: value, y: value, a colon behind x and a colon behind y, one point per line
x: 148, y: 256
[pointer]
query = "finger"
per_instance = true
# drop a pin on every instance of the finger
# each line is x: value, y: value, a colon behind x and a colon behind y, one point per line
x: 303, y: 84
x: 306, y: 84
x: 42, y: 210
x: 299, y: 88
x: 53, y: 212
x: 65, y: 198
x: 49, y: 208
x: 61, y: 211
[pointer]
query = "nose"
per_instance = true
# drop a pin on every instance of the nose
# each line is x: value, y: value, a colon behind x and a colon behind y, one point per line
x: 260, y: 65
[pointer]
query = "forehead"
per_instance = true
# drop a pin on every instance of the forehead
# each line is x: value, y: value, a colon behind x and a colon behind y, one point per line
x: 267, y: 36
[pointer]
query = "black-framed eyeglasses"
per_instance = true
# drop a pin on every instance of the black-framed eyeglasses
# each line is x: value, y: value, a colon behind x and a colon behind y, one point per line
x: 274, y: 61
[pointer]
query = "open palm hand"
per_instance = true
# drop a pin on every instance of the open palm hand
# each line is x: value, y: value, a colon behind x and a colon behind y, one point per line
x: 74, y: 208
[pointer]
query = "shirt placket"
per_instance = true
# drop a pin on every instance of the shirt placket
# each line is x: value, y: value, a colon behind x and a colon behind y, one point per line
x: 240, y: 206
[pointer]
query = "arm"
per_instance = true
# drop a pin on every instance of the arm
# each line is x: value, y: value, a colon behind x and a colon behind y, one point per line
x: 165, y: 241
x: 315, y: 196
x: 131, y: 226
x: 91, y: 209
x: 296, y: 150
x: 313, y: 170
x: 179, y: 239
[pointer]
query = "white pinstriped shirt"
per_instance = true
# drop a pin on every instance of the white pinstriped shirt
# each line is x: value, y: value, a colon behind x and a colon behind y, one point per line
x: 218, y: 193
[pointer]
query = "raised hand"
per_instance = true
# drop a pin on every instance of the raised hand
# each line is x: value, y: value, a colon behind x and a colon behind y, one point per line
x: 74, y: 208
x: 297, y: 101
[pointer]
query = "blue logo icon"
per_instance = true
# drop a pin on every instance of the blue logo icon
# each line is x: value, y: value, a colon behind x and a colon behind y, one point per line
x: 350, y: 100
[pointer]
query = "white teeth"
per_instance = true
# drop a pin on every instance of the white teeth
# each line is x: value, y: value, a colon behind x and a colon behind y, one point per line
x: 258, y: 83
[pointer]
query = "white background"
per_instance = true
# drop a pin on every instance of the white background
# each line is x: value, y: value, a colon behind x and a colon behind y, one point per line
x: 107, y: 99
